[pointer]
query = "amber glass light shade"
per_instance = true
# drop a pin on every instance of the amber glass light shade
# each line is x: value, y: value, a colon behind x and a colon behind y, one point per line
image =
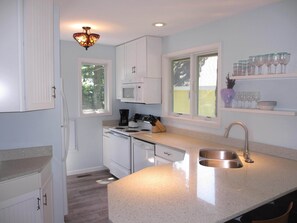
x: 86, y: 39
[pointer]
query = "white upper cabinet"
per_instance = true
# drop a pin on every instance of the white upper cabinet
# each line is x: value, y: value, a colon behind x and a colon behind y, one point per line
x: 142, y: 59
x: 26, y: 59
x: 120, y: 69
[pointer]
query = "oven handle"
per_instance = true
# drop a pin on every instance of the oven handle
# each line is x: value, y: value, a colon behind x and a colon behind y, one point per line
x: 119, y: 135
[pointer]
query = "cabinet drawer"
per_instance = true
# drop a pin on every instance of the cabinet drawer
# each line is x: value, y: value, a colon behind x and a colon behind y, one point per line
x: 169, y: 153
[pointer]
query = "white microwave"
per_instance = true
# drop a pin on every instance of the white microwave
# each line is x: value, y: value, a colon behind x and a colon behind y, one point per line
x: 132, y: 92
x: 146, y: 92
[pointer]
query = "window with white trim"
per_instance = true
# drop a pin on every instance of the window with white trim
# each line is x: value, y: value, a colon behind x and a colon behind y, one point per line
x: 94, y: 87
x: 191, y: 84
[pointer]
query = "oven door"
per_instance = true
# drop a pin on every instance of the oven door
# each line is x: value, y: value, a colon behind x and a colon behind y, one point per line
x: 120, y: 155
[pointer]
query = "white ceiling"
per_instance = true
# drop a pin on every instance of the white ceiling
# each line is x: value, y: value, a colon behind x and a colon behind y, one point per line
x: 119, y: 21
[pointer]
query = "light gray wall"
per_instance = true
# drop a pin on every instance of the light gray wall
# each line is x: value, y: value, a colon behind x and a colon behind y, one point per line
x: 88, y: 155
x: 264, y: 30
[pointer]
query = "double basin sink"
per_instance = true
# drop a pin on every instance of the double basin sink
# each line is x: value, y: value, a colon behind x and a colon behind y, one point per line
x: 219, y: 158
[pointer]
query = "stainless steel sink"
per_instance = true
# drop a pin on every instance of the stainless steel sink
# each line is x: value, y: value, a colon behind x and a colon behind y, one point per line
x: 217, y: 154
x: 219, y: 158
x: 221, y: 163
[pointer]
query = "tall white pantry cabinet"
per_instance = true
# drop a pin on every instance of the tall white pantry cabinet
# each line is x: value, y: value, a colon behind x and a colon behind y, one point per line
x: 26, y: 55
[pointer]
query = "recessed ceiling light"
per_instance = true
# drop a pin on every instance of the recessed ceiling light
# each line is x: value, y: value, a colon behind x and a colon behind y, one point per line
x: 159, y: 24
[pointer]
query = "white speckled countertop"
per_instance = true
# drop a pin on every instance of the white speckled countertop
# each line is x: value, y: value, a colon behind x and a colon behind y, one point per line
x: 188, y: 192
x: 20, y: 162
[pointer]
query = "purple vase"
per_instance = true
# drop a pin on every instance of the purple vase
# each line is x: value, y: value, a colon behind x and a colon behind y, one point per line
x: 227, y: 96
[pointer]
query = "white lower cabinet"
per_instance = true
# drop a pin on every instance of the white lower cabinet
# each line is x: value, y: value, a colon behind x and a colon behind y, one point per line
x: 27, y: 199
x: 47, y: 201
x: 165, y: 154
x: 23, y: 208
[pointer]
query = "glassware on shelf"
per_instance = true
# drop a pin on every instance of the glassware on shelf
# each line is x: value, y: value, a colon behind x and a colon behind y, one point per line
x: 269, y: 62
x: 252, y: 65
x: 248, y: 67
x: 284, y: 59
x: 260, y: 61
x: 235, y: 69
x: 243, y: 65
x: 275, y: 60
x: 246, y: 99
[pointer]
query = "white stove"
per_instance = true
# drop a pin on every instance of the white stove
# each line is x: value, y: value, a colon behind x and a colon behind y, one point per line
x: 125, y: 130
x: 121, y: 155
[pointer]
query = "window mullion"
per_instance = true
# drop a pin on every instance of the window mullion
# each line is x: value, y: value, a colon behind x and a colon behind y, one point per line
x: 192, y: 85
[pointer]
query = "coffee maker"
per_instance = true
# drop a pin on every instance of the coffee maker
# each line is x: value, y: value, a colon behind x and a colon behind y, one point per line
x: 124, y: 117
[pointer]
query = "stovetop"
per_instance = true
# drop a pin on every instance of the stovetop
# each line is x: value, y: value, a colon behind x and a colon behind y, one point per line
x: 129, y: 130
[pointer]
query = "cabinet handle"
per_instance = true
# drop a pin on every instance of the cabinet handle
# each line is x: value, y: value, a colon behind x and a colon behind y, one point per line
x: 54, y: 92
x: 45, y: 199
x: 168, y: 154
x: 38, y: 203
x: 133, y: 70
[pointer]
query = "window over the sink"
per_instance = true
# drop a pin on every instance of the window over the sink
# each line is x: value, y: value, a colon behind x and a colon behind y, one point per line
x: 95, y: 87
x: 190, y: 86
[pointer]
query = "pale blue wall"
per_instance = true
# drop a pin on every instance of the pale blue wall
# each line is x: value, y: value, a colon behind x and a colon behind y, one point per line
x: 89, y: 129
x: 264, y: 30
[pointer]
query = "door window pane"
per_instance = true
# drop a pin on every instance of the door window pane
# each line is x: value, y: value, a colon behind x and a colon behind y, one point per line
x: 181, y: 86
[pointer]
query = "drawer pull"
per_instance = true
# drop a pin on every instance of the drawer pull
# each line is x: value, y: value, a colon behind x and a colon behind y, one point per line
x: 166, y: 153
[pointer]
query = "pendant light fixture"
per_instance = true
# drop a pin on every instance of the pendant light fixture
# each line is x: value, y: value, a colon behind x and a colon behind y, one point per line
x: 86, y: 39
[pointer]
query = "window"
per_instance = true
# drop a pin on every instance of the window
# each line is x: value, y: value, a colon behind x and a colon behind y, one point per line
x: 95, y: 87
x: 191, y: 84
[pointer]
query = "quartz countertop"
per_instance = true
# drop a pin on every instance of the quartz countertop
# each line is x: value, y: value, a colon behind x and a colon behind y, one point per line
x: 186, y: 191
x: 16, y: 163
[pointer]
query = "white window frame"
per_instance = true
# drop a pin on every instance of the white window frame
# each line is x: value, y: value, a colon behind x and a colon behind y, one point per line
x: 107, y: 88
x: 167, y: 88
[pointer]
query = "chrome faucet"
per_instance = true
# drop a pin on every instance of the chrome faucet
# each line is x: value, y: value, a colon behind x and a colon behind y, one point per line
x: 246, y: 151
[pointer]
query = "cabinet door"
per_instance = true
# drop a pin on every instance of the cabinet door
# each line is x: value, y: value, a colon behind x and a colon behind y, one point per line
x: 135, y: 60
x: 141, y: 58
x: 120, y: 70
x: 38, y: 54
x: 130, y: 55
x: 47, y: 201
x: 25, y: 208
x: 27, y: 66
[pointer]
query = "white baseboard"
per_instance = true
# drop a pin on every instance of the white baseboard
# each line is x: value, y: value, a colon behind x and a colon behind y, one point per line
x: 87, y: 170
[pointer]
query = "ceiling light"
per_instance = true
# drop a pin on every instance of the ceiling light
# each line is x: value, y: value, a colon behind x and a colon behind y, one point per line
x: 159, y: 24
x: 86, y: 39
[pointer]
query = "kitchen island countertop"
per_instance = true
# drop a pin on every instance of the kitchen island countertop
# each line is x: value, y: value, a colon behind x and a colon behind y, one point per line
x: 186, y: 191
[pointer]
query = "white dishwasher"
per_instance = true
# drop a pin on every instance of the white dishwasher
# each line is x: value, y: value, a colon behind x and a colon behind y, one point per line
x: 143, y: 154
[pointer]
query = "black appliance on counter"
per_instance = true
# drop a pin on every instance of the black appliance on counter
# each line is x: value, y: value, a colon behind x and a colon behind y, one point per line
x: 124, y: 117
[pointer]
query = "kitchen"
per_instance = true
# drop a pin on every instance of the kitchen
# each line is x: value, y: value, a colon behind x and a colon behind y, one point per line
x: 263, y: 30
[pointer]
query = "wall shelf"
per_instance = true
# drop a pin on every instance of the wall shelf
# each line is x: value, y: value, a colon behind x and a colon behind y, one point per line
x: 265, y: 76
x: 271, y: 112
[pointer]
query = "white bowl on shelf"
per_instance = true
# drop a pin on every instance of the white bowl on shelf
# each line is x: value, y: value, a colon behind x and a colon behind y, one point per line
x: 266, y: 105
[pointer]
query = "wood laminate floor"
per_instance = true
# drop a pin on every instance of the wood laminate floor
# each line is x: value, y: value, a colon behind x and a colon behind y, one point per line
x: 87, y: 199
